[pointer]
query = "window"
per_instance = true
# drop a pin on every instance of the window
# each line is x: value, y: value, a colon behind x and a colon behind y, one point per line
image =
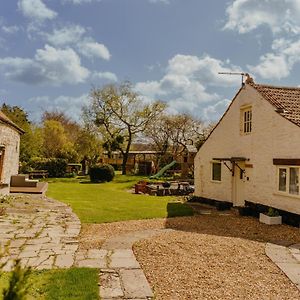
x: 288, y: 180
x: 282, y: 180
x: 246, y: 120
x: 216, y: 171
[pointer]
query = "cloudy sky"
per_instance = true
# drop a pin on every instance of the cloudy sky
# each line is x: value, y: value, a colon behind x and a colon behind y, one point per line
x: 52, y: 52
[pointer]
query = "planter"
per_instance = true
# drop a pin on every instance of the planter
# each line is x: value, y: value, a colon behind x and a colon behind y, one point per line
x: 270, y: 220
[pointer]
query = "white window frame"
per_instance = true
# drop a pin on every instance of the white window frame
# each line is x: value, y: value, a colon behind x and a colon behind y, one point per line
x: 212, y: 171
x: 246, y: 119
x: 287, y: 190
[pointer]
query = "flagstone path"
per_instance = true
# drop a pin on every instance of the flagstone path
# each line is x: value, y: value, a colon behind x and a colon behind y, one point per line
x: 45, y: 236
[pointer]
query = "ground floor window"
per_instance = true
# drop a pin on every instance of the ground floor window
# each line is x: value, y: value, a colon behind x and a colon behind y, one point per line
x: 216, y: 171
x: 288, y: 180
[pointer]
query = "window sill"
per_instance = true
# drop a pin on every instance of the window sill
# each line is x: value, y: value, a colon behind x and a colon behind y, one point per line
x: 216, y: 181
x: 286, y: 195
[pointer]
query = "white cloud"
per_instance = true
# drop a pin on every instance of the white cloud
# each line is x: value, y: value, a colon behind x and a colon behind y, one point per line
x: 215, y: 111
x: 279, y: 63
x: 76, y: 2
x: 92, y: 49
x: 279, y: 15
x: 105, y: 75
x: 10, y: 29
x: 160, y: 1
x: 49, y: 65
x: 36, y: 10
x: 71, y: 106
x: 66, y: 35
x: 74, y: 35
x: 184, y: 85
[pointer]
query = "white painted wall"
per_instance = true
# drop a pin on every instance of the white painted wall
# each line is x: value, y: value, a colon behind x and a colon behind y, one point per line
x: 272, y: 136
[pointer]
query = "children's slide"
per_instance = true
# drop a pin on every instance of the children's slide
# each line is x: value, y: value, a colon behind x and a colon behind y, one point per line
x: 163, y: 170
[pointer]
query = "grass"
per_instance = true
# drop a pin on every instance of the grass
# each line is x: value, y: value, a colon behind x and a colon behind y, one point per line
x: 71, y: 284
x: 111, y: 201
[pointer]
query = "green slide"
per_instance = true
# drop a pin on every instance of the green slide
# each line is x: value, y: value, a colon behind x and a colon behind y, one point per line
x: 163, y: 170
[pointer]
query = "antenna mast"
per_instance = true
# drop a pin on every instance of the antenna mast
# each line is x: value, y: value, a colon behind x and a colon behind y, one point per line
x: 235, y: 73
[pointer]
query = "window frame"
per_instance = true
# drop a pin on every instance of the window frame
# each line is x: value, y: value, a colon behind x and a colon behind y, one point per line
x: 287, y: 191
x: 212, y: 171
x: 246, y: 120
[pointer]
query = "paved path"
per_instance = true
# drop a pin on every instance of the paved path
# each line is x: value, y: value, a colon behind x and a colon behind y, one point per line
x: 42, y: 237
x: 287, y: 258
x: 122, y: 277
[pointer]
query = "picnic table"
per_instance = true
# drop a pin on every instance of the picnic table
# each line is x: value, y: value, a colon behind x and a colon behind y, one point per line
x: 38, y: 174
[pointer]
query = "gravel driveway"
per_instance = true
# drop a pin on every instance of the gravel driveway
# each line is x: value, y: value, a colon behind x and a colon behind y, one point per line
x: 216, y: 256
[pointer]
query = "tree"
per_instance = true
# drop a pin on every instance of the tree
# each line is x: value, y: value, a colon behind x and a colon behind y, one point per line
x: 172, y: 133
x: 56, y: 143
x: 31, y: 140
x: 121, y: 116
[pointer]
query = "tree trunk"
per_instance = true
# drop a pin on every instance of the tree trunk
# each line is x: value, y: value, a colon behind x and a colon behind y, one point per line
x: 126, y: 153
x: 124, y: 163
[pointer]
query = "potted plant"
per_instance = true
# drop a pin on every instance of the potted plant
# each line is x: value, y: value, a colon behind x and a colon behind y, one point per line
x: 271, y: 218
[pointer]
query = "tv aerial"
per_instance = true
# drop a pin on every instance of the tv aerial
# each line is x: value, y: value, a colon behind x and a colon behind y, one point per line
x: 242, y: 74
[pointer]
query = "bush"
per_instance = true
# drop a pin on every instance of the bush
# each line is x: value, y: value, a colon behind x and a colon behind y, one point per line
x: 102, y: 173
x: 56, y: 167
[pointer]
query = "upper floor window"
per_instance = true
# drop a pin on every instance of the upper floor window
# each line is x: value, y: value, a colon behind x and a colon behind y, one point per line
x: 246, y: 120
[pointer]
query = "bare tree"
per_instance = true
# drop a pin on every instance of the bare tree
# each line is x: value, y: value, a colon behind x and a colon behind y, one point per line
x: 121, y: 115
x: 173, y: 133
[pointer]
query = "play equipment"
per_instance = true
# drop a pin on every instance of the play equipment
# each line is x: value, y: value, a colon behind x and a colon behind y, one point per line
x: 163, y: 170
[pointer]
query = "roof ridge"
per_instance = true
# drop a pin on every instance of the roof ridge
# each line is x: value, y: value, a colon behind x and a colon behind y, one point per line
x: 4, y: 118
x: 274, y: 86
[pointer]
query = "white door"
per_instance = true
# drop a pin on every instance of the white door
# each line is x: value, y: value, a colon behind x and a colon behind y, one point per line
x: 238, y: 184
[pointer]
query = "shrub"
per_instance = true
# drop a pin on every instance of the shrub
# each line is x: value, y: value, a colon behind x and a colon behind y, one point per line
x: 56, y: 167
x: 272, y: 212
x: 102, y: 173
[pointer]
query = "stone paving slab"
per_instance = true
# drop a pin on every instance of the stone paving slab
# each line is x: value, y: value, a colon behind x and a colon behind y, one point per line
x: 287, y: 259
x: 110, y: 284
x: 135, y: 284
x: 124, y: 271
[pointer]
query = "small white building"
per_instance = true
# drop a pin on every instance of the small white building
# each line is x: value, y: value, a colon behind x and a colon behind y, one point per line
x: 9, y: 151
x: 253, y: 153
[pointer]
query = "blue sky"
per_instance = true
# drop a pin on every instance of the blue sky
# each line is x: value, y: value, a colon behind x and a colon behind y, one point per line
x: 52, y: 52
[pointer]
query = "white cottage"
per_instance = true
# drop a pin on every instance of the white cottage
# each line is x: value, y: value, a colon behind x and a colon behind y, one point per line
x: 253, y: 154
x: 9, y: 151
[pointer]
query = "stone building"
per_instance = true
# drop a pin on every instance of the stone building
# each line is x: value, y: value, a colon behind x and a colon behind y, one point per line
x: 253, y: 154
x: 9, y: 151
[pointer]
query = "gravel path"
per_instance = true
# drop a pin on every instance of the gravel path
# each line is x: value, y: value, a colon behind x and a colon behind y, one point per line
x: 184, y: 265
x: 216, y: 256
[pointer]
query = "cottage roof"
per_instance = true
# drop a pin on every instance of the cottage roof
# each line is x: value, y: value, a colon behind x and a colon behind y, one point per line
x: 6, y: 120
x: 285, y: 99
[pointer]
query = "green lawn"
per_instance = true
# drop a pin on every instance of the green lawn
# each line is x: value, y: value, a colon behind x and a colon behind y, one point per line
x: 74, y: 283
x: 111, y: 201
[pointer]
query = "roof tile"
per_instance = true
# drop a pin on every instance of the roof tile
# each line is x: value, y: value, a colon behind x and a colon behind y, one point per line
x: 285, y: 98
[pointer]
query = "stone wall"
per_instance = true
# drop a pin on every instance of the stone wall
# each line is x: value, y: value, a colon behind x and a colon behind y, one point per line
x: 10, y: 139
x: 272, y: 136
